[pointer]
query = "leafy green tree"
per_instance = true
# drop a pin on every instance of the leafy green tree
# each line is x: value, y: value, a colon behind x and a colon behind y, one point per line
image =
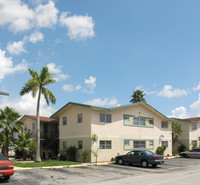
x: 26, y: 145
x: 37, y: 84
x: 9, y: 124
x: 138, y: 96
x: 176, y: 132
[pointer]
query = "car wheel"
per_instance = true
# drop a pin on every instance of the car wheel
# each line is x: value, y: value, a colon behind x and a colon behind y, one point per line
x: 154, y: 165
x: 144, y: 163
x: 120, y: 161
x: 184, y: 155
x: 7, y: 178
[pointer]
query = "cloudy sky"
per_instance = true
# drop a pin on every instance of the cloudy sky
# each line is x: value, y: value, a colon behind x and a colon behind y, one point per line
x: 102, y: 51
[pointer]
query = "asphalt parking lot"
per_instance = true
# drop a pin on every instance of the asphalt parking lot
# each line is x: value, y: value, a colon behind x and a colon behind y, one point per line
x: 108, y: 174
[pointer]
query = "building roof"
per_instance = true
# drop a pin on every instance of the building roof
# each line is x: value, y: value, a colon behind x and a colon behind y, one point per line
x: 108, y: 109
x: 42, y: 118
x: 195, y: 119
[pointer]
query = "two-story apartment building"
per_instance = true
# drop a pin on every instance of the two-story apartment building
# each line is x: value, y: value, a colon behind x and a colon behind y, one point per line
x: 49, y: 135
x: 119, y: 129
x: 190, y: 132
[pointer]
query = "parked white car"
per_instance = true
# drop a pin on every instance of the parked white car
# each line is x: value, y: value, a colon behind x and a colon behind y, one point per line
x: 191, y: 153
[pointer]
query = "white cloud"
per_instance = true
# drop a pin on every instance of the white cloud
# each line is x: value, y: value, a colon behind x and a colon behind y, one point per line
x: 20, y: 17
x: 103, y: 102
x: 78, y: 87
x: 79, y: 27
x: 53, y: 69
x: 46, y: 15
x: 36, y: 36
x: 90, y: 84
x: 147, y: 92
x: 6, y: 65
x: 68, y: 87
x: 16, y: 47
x: 16, y: 15
x: 56, y: 70
x: 169, y: 92
x: 180, y: 112
x: 195, y: 108
x: 27, y: 105
x: 197, y: 88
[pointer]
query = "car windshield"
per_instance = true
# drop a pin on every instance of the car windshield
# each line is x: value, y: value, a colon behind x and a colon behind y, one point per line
x: 2, y: 158
x: 149, y: 153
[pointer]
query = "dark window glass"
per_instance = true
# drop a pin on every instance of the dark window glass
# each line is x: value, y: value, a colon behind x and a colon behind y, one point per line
x: 64, y: 121
x: 2, y: 158
x: 80, y: 118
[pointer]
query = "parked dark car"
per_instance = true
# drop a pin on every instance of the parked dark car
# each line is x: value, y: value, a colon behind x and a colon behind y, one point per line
x: 140, y: 157
x: 6, y: 168
x: 191, y: 153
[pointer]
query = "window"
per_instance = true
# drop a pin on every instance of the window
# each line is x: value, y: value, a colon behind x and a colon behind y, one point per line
x: 130, y: 120
x: 64, y: 121
x: 64, y: 145
x: 165, y: 143
x: 16, y: 134
x: 194, y: 143
x: 151, y: 143
x: 106, y: 118
x: 80, y: 144
x: 194, y: 126
x: 131, y: 144
x: 126, y: 142
x: 164, y: 124
x: 25, y: 128
x: 80, y: 118
x: 105, y: 144
x: 33, y: 126
x: 139, y: 144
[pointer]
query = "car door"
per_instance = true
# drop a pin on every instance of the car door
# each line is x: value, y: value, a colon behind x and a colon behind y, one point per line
x: 195, y: 153
x: 129, y: 157
x: 138, y: 155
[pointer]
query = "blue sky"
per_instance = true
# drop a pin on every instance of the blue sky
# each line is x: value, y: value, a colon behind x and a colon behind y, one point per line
x: 102, y: 51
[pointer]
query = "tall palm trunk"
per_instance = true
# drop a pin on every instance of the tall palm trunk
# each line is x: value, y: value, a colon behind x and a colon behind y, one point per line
x: 38, y: 158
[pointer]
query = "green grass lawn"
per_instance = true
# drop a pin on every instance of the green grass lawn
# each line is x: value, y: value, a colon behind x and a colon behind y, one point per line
x: 45, y: 163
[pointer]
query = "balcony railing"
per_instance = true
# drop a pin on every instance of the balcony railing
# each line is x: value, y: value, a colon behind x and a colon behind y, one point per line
x: 43, y: 135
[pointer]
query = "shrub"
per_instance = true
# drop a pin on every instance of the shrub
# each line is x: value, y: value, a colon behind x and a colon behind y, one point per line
x: 85, y: 155
x: 161, y: 149
x: 63, y: 157
x: 18, y: 154
x: 71, y: 153
x: 182, y: 148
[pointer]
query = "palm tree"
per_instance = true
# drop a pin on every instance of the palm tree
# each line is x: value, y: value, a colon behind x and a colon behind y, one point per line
x: 25, y: 145
x: 176, y: 132
x: 35, y: 84
x: 138, y: 96
x: 9, y: 124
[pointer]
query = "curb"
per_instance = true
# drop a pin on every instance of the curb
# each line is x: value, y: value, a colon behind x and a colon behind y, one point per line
x: 51, y: 167
x: 172, y: 157
x: 59, y: 167
x: 101, y: 164
x: 19, y: 168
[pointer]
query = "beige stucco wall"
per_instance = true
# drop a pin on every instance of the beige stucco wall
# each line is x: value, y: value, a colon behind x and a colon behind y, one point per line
x: 189, y: 135
x: 117, y: 131
x: 74, y: 131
